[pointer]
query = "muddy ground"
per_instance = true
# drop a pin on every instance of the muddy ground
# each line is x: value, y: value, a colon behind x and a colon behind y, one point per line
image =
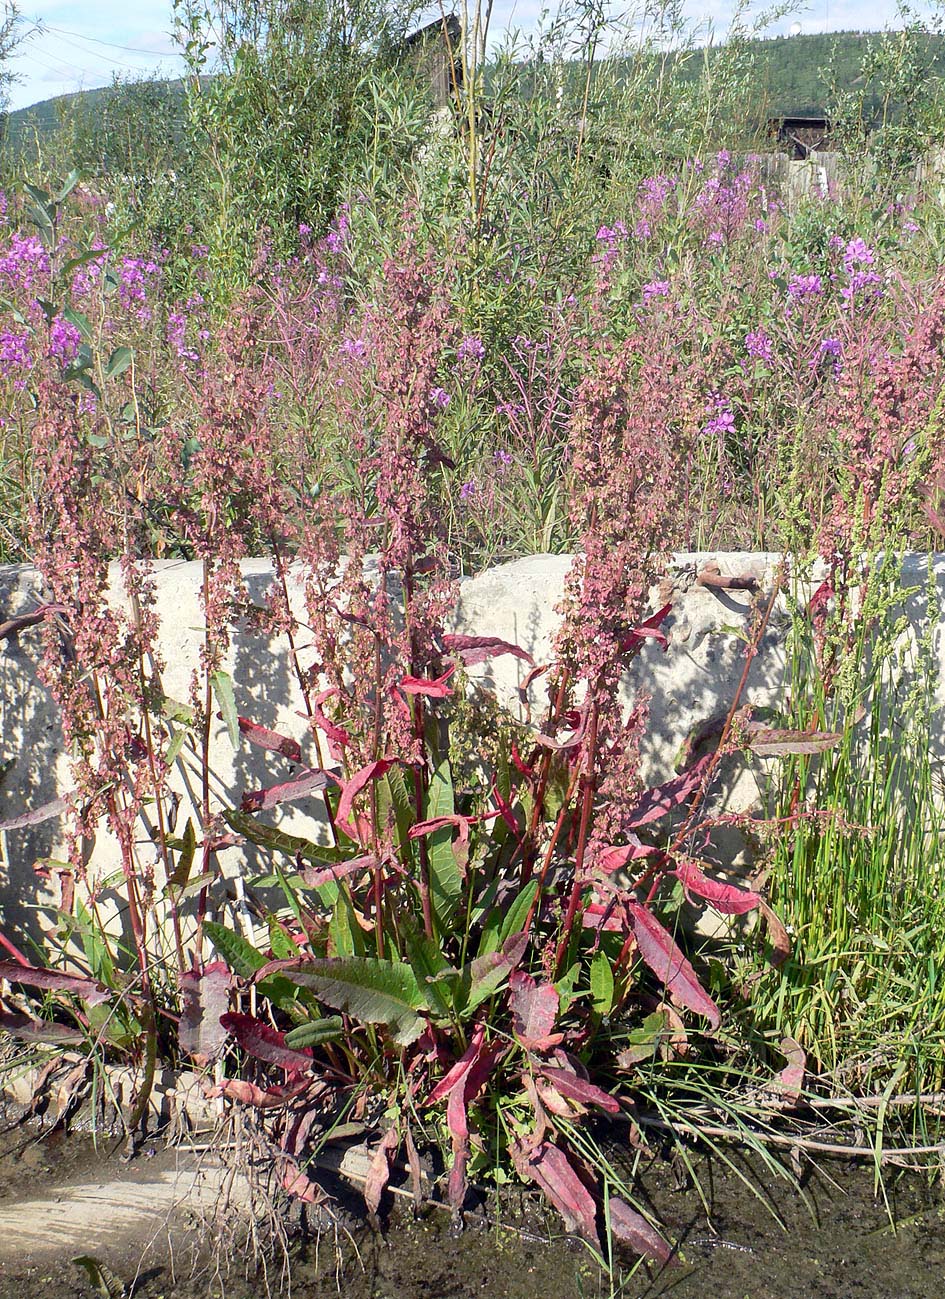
x: 838, y: 1239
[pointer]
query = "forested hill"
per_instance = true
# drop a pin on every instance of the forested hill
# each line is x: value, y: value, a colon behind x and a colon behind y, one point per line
x: 789, y: 74
x: 801, y: 74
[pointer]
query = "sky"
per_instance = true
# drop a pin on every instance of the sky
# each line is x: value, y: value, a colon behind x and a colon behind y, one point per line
x: 75, y: 45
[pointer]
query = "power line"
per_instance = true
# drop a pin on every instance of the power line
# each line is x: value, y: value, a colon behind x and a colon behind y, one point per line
x: 129, y: 49
x: 67, y: 68
x: 91, y: 54
x: 70, y: 69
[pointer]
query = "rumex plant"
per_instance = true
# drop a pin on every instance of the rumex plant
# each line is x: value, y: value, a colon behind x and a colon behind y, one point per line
x: 482, y: 926
x: 477, y: 938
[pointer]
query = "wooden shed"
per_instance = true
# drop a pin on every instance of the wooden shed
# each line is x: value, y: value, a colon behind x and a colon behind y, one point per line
x: 802, y: 135
x: 436, y: 51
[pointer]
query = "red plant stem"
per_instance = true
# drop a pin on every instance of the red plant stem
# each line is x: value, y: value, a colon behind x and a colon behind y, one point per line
x: 549, y: 852
x: 655, y: 868
x: 536, y: 900
x: 623, y: 960
x: 531, y: 834
x: 577, y: 888
x: 301, y: 678
x: 158, y: 800
x: 419, y: 790
x: 376, y: 874
x: 14, y: 951
x: 377, y: 894
x: 206, y: 850
x: 135, y: 915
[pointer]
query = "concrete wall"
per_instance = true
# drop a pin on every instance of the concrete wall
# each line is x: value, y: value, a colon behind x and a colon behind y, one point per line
x: 695, y: 679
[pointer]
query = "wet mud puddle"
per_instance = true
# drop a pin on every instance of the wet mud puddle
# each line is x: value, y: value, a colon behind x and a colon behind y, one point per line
x: 741, y: 1234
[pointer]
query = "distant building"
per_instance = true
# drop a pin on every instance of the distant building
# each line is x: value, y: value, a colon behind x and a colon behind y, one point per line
x: 802, y: 135
x: 436, y: 51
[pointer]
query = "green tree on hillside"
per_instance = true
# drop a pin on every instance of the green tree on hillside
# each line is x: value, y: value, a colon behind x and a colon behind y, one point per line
x: 275, y: 130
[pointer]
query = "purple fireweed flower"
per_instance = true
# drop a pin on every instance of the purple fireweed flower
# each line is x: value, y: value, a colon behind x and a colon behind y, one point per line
x: 858, y: 253
x: 25, y: 261
x: 722, y: 159
x: 136, y: 277
x: 832, y: 348
x: 612, y: 234
x: 468, y: 490
x: 655, y: 289
x: 15, y: 355
x: 863, y: 283
x: 502, y: 458
x: 64, y: 340
x: 759, y: 346
x: 177, y: 336
x: 355, y: 348
x: 723, y: 418
x: 440, y: 398
x: 656, y: 189
x: 761, y: 224
x: 653, y: 196
x: 337, y: 235
x: 722, y: 424
x: 800, y: 286
x: 721, y: 206
x: 471, y: 348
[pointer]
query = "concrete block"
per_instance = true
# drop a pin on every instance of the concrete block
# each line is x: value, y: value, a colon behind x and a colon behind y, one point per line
x: 694, y: 680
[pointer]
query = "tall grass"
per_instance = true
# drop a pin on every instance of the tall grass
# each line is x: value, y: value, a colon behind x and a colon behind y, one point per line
x: 861, y: 884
